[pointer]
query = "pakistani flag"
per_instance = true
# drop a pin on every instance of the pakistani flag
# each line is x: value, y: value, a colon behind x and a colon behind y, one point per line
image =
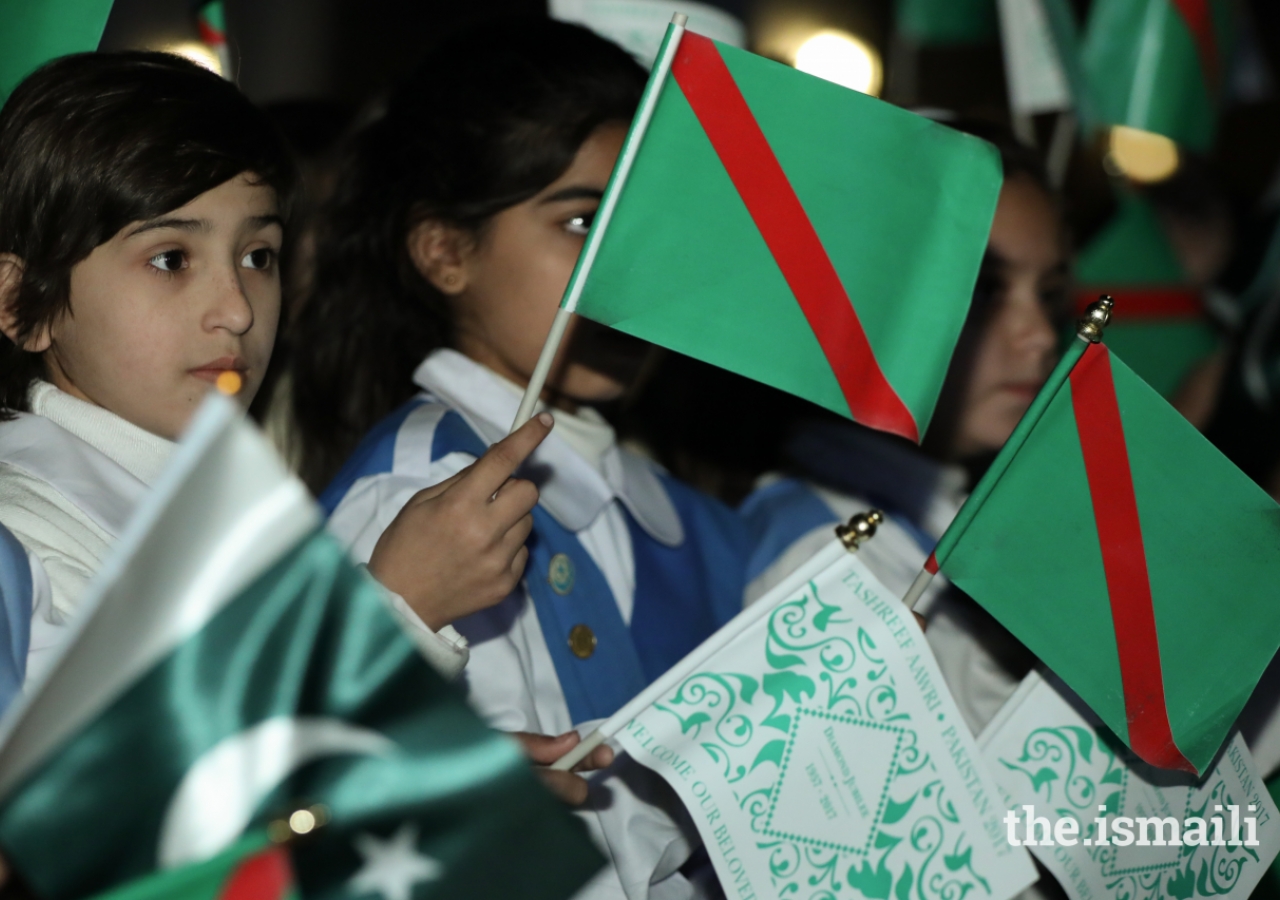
x: 1160, y: 65
x: 1159, y: 325
x: 235, y: 665
x: 32, y: 32
x: 1128, y: 554
x: 792, y: 231
x: 251, y: 869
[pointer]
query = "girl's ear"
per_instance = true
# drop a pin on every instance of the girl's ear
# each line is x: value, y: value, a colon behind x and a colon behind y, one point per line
x: 11, y: 269
x: 440, y: 252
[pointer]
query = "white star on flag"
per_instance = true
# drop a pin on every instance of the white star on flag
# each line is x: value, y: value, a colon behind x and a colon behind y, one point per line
x: 393, y: 866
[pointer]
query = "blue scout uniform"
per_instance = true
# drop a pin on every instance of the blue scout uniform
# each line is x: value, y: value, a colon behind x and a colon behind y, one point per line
x: 628, y: 571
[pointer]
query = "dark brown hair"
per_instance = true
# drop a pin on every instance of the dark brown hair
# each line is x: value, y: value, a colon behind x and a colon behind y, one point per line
x: 92, y: 142
x: 482, y: 124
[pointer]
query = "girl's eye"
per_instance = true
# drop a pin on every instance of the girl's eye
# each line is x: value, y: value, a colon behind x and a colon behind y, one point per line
x: 580, y: 224
x: 169, y: 261
x: 262, y: 258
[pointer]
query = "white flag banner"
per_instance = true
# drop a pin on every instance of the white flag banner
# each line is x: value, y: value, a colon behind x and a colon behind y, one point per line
x: 1110, y: 827
x: 821, y: 755
x: 1038, y: 82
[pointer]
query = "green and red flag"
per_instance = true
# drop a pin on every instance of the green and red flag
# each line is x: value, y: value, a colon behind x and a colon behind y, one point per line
x: 1160, y: 65
x: 792, y: 231
x: 252, y: 869
x: 1159, y: 325
x: 211, y: 21
x: 1130, y: 555
x: 32, y: 33
x: 235, y: 666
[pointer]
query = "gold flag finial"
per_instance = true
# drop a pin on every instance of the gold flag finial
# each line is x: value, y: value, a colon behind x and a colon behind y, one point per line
x: 1095, y: 319
x: 860, y: 529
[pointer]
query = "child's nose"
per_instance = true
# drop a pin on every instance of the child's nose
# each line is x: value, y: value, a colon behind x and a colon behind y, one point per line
x: 230, y: 308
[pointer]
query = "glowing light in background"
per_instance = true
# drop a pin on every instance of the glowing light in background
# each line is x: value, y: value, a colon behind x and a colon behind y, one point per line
x: 1141, y: 155
x: 842, y: 58
x: 198, y: 53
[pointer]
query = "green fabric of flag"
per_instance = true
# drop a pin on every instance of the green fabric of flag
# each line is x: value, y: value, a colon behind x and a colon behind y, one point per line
x: 795, y: 232
x: 252, y: 869
x: 236, y: 666
x: 1128, y: 554
x: 32, y: 32
x: 1159, y: 65
x: 943, y: 22
x: 1159, y: 326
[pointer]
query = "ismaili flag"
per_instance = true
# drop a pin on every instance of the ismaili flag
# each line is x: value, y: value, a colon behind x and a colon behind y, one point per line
x: 793, y: 231
x: 1160, y: 65
x: 1128, y: 554
x: 1160, y: 326
x: 31, y: 34
x: 234, y: 666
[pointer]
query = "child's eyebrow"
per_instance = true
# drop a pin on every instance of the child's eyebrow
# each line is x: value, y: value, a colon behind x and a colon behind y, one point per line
x: 172, y: 222
x: 573, y: 193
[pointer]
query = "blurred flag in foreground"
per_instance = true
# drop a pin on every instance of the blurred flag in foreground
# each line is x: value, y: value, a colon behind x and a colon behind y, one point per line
x: 793, y: 231
x: 252, y: 869
x: 233, y: 665
x: 1128, y: 554
x: 32, y: 32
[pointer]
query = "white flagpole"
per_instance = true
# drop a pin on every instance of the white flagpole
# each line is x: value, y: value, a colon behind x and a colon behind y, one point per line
x: 627, y: 158
x: 860, y: 528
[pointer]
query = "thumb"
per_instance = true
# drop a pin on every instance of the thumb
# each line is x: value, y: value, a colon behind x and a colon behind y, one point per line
x: 544, y: 749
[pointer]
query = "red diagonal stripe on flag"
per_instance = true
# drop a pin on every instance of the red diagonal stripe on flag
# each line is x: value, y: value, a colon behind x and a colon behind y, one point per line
x: 1199, y: 18
x: 763, y: 185
x: 1145, y: 302
x: 1124, y: 558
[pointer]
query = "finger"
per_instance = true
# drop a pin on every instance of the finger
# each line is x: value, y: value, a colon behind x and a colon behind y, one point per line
x: 570, y: 788
x: 545, y: 748
x: 430, y: 493
x: 599, y: 758
x: 502, y: 459
x: 518, y: 563
x: 920, y: 620
x: 517, y: 534
x: 514, y: 500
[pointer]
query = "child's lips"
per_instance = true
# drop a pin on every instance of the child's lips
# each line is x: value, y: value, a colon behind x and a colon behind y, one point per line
x: 210, y: 371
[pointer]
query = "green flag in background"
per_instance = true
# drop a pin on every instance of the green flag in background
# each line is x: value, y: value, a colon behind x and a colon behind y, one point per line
x: 947, y: 21
x: 1159, y: 65
x: 792, y: 231
x: 1128, y: 554
x: 236, y: 665
x: 252, y: 869
x: 1159, y: 325
x: 32, y: 32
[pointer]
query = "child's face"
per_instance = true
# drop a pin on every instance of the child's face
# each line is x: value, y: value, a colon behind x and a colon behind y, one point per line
x: 163, y: 308
x: 508, y: 285
x: 1019, y: 347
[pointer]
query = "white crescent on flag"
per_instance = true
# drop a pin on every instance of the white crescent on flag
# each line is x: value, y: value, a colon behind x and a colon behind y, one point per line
x: 220, y: 792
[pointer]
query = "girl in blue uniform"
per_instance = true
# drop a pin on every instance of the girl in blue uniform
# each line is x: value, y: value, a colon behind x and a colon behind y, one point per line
x: 451, y: 238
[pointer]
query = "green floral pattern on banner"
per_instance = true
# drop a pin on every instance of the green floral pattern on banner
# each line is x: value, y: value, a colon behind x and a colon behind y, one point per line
x: 1080, y: 774
x: 825, y: 723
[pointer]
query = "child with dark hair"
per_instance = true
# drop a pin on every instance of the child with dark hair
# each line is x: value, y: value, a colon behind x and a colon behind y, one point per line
x: 446, y: 250
x: 142, y: 207
x: 1007, y: 349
